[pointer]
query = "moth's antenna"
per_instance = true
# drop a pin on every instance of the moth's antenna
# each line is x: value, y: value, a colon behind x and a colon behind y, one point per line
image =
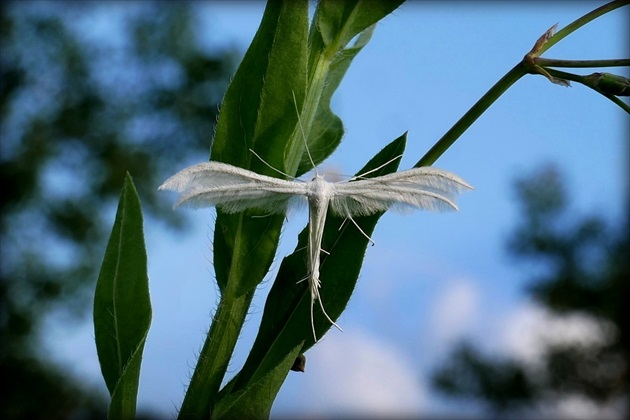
x: 275, y: 169
x: 377, y: 168
x: 297, y: 112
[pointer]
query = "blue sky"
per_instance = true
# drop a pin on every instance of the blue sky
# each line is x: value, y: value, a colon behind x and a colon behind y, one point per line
x: 431, y: 278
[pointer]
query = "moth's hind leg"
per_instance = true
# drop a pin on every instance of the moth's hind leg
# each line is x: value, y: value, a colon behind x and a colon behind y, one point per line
x: 314, y: 285
x: 316, y: 296
x: 321, y: 305
x: 358, y: 227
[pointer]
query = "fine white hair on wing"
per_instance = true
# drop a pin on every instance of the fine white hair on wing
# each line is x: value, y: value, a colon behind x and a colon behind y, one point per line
x: 233, y: 189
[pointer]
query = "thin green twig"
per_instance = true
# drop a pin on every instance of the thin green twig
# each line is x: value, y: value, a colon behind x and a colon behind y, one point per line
x: 577, y: 24
x: 527, y: 65
x: 550, y: 62
x: 471, y: 116
x: 588, y: 82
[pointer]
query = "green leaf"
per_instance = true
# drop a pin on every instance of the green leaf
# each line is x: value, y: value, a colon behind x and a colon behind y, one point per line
x: 122, y: 309
x: 256, y: 400
x: 337, y: 22
x: 327, y: 129
x: 286, y: 318
x: 258, y: 112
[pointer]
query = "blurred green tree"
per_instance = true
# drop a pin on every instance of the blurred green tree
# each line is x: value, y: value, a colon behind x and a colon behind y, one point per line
x: 87, y: 92
x: 584, y: 268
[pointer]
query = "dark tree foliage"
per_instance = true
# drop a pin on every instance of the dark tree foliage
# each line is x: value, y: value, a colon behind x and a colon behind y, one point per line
x: 88, y: 91
x: 584, y: 267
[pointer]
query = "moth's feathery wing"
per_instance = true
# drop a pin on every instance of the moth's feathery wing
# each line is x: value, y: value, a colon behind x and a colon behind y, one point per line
x: 427, y: 188
x: 232, y: 189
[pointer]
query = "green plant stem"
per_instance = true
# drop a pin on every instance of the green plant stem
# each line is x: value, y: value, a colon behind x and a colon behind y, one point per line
x: 578, y: 23
x: 473, y: 113
x: 550, y: 62
x: 584, y: 80
x: 215, y: 356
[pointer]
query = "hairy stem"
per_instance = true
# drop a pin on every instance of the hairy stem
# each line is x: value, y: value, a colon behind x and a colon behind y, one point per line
x: 216, y: 353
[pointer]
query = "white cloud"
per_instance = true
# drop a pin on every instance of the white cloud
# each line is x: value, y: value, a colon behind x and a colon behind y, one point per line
x: 576, y: 407
x: 353, y: 374
x: 454, y: 310
x: 530, y: 328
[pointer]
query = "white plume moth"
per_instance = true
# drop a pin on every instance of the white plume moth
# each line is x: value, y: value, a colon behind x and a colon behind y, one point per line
x: 234, y: 189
